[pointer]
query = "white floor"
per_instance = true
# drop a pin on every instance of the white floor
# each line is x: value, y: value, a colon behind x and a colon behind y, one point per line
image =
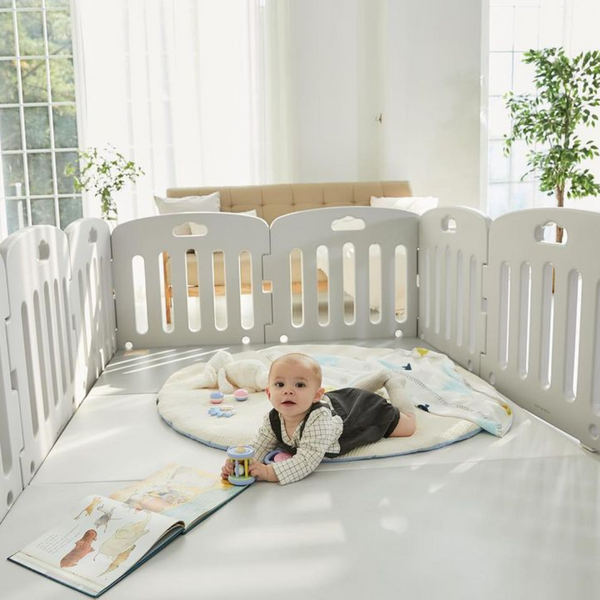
x: 485, y: 518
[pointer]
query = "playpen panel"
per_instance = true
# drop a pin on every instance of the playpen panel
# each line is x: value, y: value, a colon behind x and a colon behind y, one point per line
x: 342, y: 273
x: 543, y: 343
x: 11, y: 441
x: 452, y: 251
x: 92, y: 302
x: 39, y: 333
x: 174, y: 288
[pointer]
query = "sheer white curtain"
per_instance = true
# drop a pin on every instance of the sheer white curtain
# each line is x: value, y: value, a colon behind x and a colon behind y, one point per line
x: 184, y: 88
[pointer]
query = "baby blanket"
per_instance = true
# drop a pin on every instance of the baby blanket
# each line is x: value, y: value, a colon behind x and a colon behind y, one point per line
x: 432, y: 381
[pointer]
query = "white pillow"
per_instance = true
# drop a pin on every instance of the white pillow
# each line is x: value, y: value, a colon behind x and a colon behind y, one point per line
x: 209, y: 203
x: 411, y: 203
x: 252, y: 213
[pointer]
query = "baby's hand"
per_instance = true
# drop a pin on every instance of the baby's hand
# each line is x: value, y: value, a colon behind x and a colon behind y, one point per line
x: 227, y: 469
x: 262, y: 472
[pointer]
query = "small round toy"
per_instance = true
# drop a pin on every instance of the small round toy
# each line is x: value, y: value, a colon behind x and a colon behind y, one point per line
x: 240, y: 455
x: 216, y: 397
x: 276, y: 456
x: 240, y: 395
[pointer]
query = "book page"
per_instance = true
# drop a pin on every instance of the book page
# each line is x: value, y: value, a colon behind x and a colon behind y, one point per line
x: 97, y: 545
x: 182, y: 493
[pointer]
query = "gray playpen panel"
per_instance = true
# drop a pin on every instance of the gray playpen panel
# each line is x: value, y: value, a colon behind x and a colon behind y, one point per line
x: 40, y: 337
x: 361, y: 246
x: 92, y: 301
x: 142, y: 303
x: 543, y: 335
x: 452, y: 251
x: 11, y: 441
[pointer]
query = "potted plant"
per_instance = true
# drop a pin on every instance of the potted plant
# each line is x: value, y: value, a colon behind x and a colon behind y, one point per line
x: 551, y: 121
x: 103, y: 172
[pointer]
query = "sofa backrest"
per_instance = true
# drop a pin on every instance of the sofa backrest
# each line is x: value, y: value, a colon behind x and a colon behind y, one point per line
x: 272, y: 201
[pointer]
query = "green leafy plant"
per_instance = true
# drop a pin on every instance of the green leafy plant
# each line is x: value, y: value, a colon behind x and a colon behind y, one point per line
x: 567, y: 92
x: 103, y: 172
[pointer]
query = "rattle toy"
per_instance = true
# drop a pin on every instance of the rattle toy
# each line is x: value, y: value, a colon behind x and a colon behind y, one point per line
x: 240, y: 395
x: 240, y: 455
x: 216, y: 397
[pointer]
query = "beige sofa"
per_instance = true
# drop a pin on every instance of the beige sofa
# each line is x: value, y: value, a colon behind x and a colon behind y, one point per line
x: 272, y: 201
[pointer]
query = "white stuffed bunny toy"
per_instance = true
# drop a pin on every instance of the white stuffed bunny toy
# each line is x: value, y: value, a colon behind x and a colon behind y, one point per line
x: 228, y: 375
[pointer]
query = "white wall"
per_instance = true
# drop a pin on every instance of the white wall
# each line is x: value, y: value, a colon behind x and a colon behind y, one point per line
x: 335, y: 79
x: 433, y: 97
x: 415, y: 61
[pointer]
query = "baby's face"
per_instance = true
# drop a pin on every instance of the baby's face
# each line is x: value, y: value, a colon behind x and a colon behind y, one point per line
x: 293, y: 388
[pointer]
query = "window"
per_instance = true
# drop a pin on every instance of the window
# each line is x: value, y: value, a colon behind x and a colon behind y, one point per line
x: 38, y: 121
x: 516, y: 26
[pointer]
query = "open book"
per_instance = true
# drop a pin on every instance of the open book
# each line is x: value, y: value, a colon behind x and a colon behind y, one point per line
x: 104, y: 539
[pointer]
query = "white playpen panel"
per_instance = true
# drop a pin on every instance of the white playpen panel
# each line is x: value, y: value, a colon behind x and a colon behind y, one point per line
x: 40, y: 337
x: 11, y: 441
x: 543, y: 347
x: 92, y: 301
x: 453, y: 246
x: 366, y: 254
x: 141, y: 320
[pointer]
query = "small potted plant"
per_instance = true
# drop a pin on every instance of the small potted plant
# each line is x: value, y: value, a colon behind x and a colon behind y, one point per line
x: 552, y: 120
x: 103, y: 172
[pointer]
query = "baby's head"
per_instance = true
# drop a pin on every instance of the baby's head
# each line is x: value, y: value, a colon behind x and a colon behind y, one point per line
x: 297, y: 359
x: 294, y: 385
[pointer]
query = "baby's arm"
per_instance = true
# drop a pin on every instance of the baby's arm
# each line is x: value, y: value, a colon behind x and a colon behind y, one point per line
x: 320, y: 432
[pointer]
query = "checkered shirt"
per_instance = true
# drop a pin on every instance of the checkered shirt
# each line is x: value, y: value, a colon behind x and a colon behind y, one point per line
x: 320, y: 435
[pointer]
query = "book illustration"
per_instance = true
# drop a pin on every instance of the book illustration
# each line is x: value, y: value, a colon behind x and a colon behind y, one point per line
x: 103, y: 539
x: 104, y: 519
x: 89, y: 509
x: 82, y: 548
x: 119, y: 560
x: 179, y: 492
x: 123, y: 541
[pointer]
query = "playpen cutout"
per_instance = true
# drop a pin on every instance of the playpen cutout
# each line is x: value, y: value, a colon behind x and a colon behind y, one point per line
x: 220, y: 316
x: 401, y: 282
x: 51, y: 345
x: 69, y: 319
x: 448, y: 294
x: 43, y: 251
x: 92, y: 235
x: 437, y: 289
x: 296, y: 287
x: 5, y: 433
x: 449, y: 224
x: 460, y: 298
x: 26, y: 332
x: 167, y: 311
x: 323, y: 298
x: 549, y: 233
x: 246, y: 289
x: 573, y: 329
x: 524, y: 321
x: 41, y: 361
x: 474, y: 302
x: 547, y: 326
x: 349, y: 278
x: 190, y: 228
x: 504, y: 325
x: 140, y: 297
x: 348, y: 223
x: 375, y: 277
x: 427, y: 277
x: 193, y: 308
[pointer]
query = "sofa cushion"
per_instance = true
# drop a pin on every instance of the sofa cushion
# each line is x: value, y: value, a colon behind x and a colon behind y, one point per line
x: 209, y: 203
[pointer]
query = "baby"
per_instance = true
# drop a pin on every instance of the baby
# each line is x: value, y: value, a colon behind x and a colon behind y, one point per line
x: 310, y: 424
